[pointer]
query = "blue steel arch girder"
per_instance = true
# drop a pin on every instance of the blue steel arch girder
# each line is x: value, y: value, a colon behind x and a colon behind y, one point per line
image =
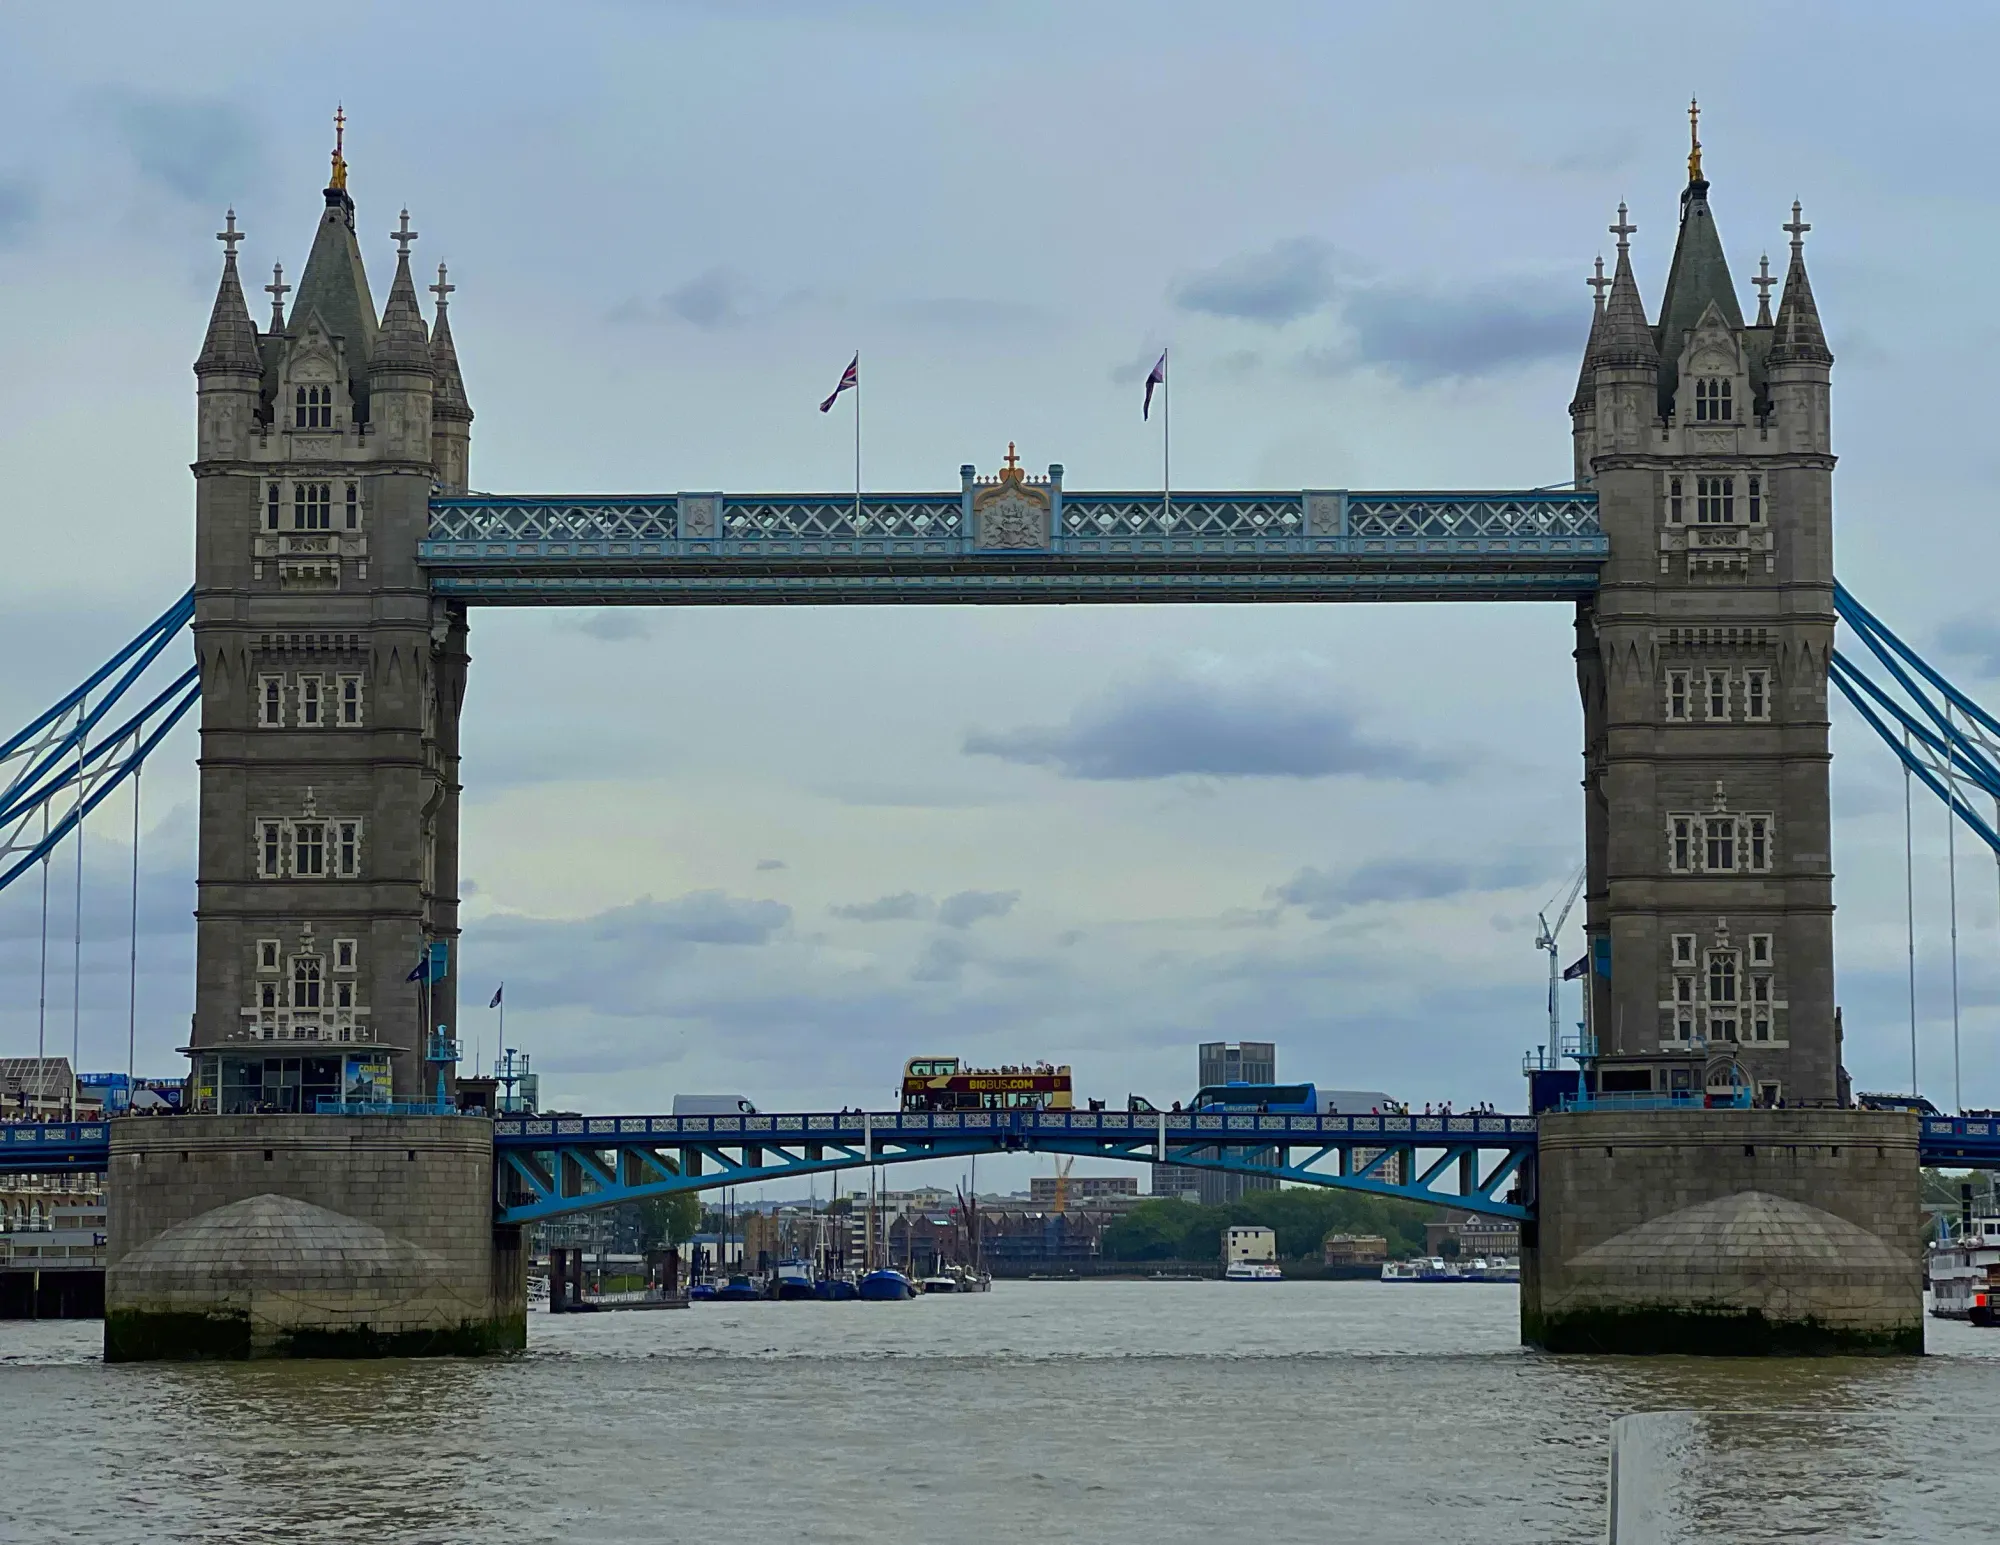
x: 1309, y: 545
x: 547, y: 1167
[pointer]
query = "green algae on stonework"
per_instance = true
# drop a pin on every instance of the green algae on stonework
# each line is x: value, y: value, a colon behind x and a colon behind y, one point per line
x: 1672, y: 1330
x: 139, y: 1335
x: 169, y: 1335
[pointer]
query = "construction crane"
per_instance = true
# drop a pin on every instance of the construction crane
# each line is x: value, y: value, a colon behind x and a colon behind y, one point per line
x: 1546, y: 940
x: 1062, y: 1184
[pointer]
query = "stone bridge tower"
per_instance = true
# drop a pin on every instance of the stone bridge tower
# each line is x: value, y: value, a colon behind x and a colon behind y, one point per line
x: 1702, y: 663
x: 331, y: 685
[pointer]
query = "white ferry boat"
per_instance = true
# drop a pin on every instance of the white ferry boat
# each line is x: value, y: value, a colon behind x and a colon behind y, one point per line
x: 1965, y: 1274
x: 1252, y: 1271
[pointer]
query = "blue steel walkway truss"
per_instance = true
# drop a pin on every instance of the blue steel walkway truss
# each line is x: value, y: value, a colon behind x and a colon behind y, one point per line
x: 1304, y: 545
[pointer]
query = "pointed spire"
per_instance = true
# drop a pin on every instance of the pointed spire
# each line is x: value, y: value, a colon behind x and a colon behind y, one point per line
x: 1764, y: 281
x: 277, y: 289
x: 402, y: 343
x: 334, y: 285
x: 1598, y: 284
x: 231, y: 345
x: 1799, y: 340
x: 450, y: 401
x: 1626, y: 337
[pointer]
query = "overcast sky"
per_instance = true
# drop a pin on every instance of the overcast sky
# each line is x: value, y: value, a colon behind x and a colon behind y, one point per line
x: 778, y: 852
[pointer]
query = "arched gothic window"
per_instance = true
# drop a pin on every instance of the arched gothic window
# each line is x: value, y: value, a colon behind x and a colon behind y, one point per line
x: 1712, y: 403
x: 312, y: 407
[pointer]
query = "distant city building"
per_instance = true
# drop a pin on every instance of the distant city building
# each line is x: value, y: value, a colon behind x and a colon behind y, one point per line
x: 1084, y: 1188
x: 1354, y: 1249
x: 34, y: 1088
x: 1249, y: 1242
x: 1224, y: 1062
x: 1475, y: 1233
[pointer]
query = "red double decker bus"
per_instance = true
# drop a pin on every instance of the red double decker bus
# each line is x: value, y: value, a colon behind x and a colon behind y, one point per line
x: 939, y: 1083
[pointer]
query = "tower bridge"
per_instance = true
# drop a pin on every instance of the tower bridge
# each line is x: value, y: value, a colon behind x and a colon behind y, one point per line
x: 341, y: 553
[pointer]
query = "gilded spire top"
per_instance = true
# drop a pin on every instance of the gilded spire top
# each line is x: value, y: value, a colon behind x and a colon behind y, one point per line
x: 1011, y: 473
x: 339, y: 179
x: 1694, y: 140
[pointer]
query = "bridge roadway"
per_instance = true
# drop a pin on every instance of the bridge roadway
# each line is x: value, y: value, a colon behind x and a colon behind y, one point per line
x: 547, y: 1166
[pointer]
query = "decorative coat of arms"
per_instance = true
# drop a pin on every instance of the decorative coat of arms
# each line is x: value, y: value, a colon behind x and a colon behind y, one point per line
x: 1010, y: 511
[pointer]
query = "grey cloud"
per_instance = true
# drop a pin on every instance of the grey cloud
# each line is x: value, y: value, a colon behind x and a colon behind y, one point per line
x: 616, y: 624
x: 1293, y: 279
x: 969, y: 907
x: 201, y: 149
x: 905, y: 906
x: 1284, y: 724
x: 944, y: 960
x: 970, y: 314
x: 771, y: 863
x: 1420, y: 333
x: 715, y: 299
x: 19, y: 205
x: 1323, y: 895
x: 699, y: 917
x: 1975, y: 640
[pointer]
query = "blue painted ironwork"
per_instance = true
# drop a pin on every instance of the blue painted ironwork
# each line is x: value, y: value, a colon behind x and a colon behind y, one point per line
x: 763, y: 548
x: 550, y: 1166
x: 69, y: 760
x: 54, y: 1148
x: 1946, y: 739
x: 1960, y: 1142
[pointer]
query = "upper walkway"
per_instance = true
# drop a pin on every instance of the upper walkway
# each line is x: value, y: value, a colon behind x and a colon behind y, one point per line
x: 1014, y: 540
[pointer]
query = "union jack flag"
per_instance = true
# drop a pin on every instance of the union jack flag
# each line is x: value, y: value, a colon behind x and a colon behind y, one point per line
x: 850, y: 377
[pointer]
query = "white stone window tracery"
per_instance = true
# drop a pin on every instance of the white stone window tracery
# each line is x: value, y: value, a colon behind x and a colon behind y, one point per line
x: 1712, y: 400
x: 306, y: 981
x: 267, y: 954
x: 309, y: 689
x: 1721, y: 844
x: 1757, y: 696
x: 1715, y: 501
x: 1722, y: 989
x: 344, y: 952
x: 1756, y: 496
x: 270, y: 702
x: 309, y: 849
x: 271, y: 506
x: 312, y: 848
x: 312, y: 407
x: 312, y: 506
x: 1716, y: 691
x: 350, y: 701
x: 1674, y: 501
x: 1679, y: 702
x: 353, y: 507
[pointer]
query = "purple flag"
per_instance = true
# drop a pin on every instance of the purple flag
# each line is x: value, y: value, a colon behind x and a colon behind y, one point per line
x: 1157, y: 378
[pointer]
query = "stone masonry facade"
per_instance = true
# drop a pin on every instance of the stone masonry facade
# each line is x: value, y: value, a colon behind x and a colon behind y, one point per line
x: 1702, y: 665
x: 332, y: 684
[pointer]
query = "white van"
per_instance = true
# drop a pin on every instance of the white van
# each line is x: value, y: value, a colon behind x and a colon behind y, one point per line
x: 712, y: 1105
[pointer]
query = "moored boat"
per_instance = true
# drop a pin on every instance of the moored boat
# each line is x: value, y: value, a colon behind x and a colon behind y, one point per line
x: 886, y: 1286
x: 1252, y: 1271
x: 1964, y: 1272
x: 792, y: 1280
x: 832, y: 1290
x: 738, y: 1290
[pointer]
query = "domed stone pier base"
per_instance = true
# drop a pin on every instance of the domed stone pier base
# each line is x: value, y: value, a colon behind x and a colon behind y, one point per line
x: 308, y: 1236
x: 1726, y: 1232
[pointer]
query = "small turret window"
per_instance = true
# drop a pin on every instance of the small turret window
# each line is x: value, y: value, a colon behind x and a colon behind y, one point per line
x: 354, y: 507
x: 1712, y: 404
x: 271, y: 507
x: 312, y: 407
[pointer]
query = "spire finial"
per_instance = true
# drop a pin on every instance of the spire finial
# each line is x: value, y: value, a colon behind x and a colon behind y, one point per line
x: 402, y: 236
x: 277, y: 289
x: 441, y: 289
x: 1694, y: 140
x: 1797, y: 231
x: 339, y: 179
x: 229, y: 236
x: 1764, y: 281
x: 1622, y: 230
x: 1598, y: 283
x: 1013, y: 469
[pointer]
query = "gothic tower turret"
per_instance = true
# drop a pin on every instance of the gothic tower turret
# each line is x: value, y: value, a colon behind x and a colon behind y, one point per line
x: 331, y: 689
x: 1702, y: 665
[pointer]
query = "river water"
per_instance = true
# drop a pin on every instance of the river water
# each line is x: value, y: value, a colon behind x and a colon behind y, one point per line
x: 1111, y: 1413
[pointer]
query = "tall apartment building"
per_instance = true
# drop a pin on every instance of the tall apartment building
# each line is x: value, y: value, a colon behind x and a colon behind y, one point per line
x: 1223, y: 1062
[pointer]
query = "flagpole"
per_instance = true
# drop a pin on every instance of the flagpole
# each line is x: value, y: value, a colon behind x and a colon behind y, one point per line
x: 1167, y: 438
x: 857, y: 441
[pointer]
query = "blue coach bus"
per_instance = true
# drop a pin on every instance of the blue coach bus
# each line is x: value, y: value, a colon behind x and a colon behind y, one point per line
x: 1259, y: 1099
